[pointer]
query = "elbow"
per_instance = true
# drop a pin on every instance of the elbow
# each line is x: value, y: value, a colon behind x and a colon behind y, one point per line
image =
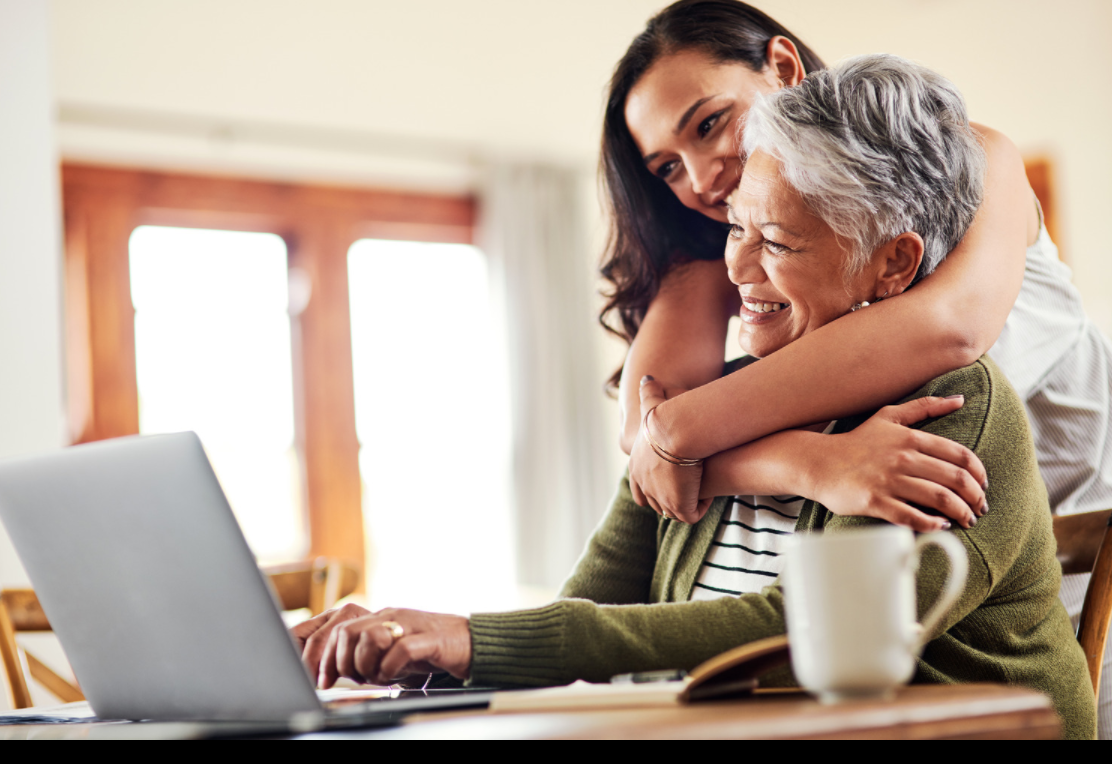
x: 963, y: 344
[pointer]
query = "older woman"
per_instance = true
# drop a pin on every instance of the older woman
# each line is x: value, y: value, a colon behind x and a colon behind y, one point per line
x: 858, y: 183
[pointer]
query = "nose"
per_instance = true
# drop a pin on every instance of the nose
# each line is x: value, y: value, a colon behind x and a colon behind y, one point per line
x: 704, y: 173
x: 742, y: 263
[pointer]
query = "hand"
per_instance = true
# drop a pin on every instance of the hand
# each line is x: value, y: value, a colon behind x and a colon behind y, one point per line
x: 882, y: 467
x: 671, y: 490
x: 352, y: 642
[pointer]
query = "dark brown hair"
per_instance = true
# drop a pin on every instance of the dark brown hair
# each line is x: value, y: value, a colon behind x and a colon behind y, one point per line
x: 650, y: 229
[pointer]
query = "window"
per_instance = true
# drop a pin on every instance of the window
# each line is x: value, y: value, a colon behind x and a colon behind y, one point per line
x: 213, y: 355
x: 426, y: 348
x: 250, y: 279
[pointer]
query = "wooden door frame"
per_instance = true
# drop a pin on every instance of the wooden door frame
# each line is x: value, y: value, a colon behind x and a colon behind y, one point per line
x: 103, y: 205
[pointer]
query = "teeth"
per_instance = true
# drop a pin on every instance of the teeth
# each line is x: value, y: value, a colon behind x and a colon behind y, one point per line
x: 764, y: 307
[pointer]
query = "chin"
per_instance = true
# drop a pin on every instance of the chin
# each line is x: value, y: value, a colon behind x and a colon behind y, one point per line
x: 758, y: 347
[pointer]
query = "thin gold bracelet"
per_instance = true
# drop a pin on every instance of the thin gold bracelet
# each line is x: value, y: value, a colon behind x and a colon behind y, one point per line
x: 667, y: 456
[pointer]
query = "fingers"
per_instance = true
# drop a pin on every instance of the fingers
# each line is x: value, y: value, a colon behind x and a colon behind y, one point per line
x: 922, y: 408
x: 328, y: 672
x: 400, y: 657
x: 316, y: 642
x: 956, y: 479
x: 954, y: 453
x: 652, y: 394
x: 637, y: 493
x: 929, y: 494
x: 354, y: 650
x: 302, y: 631
x: 348, y: 638
x: 899, y: 513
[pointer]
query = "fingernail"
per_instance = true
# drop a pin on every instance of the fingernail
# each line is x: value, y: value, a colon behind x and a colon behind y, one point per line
x: 984, y: 485
x: 954, y: 397
x: 945, y: 526
x: 647, y: 378
x: 984, y: 509
x: 972, y: 521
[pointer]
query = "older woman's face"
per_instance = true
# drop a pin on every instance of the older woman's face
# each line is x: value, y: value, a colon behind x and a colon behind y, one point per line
x: 787, y: 263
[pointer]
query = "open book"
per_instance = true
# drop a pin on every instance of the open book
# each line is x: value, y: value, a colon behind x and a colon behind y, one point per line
x: 734, y: 672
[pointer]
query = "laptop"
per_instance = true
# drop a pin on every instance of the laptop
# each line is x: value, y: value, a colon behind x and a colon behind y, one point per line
x: 158, y: 602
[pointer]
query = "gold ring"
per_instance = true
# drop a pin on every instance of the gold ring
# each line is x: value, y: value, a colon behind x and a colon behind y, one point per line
x: 397, y: 631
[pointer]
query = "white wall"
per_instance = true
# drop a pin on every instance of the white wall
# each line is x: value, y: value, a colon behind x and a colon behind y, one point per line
x: 30, y: 327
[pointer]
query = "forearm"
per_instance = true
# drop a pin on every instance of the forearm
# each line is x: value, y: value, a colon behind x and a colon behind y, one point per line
x: 574, y: 639
x: 681, y: 340
x: 871, y: 357
x: 774, y: 465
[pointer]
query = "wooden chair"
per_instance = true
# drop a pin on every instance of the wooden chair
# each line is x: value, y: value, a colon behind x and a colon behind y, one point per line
x: 316, y: 585
x: 1085, y: 546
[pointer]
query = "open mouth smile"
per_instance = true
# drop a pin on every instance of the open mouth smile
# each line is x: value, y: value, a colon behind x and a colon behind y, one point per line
x: 759, y: 312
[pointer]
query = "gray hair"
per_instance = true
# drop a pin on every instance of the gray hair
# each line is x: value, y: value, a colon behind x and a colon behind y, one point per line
x: 877, y: 146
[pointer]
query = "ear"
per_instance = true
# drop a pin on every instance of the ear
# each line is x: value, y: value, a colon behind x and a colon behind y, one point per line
x: 897, y: 262
x: 784, y: 61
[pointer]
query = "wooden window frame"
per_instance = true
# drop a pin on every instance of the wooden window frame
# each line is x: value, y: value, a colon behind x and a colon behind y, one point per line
x: 1040, y: 174
x: 104, y: 205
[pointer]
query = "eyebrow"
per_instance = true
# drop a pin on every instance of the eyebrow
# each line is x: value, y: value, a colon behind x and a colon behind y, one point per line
x: 788, y: 231
x: 687, y: 115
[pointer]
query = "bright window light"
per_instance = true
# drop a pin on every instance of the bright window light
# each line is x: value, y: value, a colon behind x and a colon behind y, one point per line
x: 432, y: 416
x: 212, y: 349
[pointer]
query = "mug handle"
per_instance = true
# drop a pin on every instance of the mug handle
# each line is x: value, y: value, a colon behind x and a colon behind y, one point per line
x: 955, y: 582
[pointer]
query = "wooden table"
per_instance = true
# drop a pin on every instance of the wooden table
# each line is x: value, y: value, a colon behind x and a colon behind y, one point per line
x: 923, y: 712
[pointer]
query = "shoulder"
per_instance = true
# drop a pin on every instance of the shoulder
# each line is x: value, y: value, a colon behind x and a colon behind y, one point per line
x: 992, y: 414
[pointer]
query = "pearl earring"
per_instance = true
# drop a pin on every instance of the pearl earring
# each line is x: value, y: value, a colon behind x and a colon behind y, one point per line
x: 863, y: 304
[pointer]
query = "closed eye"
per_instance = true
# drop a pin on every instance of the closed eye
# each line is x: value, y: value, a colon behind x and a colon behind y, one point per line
x: 776, y: 248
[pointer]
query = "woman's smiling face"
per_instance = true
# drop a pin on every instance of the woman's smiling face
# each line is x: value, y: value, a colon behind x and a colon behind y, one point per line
x: 789, y: 266
x: 683, y: 116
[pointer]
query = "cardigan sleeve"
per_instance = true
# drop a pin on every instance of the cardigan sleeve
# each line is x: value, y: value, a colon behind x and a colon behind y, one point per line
x: 616, y: 568
x: 577, y: 639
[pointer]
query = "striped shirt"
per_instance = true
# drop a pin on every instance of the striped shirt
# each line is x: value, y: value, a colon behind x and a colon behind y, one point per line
x: 747, y: 552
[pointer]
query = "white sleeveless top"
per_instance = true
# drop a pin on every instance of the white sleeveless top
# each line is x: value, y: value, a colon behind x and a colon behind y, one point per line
x: 1061, y: 366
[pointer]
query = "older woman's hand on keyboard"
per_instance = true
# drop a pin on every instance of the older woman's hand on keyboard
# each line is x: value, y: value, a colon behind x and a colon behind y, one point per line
x: 383, y: 647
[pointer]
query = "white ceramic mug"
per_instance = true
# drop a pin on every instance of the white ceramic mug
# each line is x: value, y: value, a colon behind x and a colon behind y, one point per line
x: 850, y: 607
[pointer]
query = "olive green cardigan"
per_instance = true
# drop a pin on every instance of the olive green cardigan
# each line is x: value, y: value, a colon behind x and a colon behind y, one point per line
x: 625, y: 607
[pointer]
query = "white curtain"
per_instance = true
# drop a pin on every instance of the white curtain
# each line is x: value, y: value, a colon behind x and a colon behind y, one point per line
x: 532, y: 229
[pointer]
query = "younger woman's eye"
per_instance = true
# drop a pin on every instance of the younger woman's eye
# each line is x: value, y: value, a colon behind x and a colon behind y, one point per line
x: 666, y: 169
x: 708, y: 124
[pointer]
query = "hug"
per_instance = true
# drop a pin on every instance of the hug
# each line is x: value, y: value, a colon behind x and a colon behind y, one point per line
x: 858, y: 182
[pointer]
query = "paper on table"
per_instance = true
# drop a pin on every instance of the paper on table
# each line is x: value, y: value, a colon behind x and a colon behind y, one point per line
x: 71, y: 713
x: 586, y: 695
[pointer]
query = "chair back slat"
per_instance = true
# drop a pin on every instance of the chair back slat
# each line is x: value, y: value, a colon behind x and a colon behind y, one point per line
x: 24, y: 609
x: 1096, y: 613
x: 1079, y: 539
